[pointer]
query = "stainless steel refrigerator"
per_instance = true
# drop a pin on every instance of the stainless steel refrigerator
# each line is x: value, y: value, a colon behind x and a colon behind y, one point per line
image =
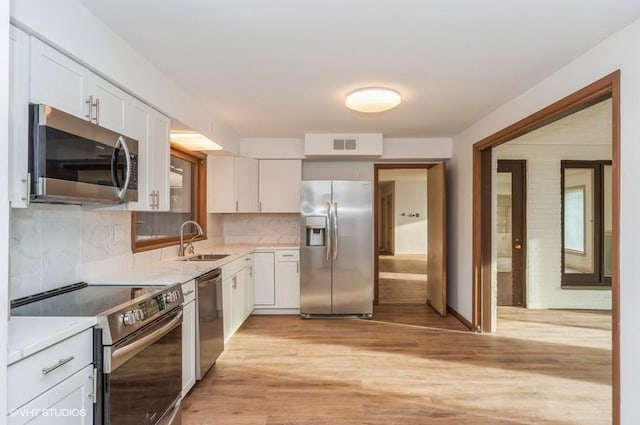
x: 336, y: 254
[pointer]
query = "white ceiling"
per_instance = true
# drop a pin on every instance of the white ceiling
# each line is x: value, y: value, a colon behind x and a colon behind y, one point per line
x: 281, y: 68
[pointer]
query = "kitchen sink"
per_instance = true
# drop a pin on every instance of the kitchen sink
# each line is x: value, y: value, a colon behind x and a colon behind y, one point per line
x: 206, y: 257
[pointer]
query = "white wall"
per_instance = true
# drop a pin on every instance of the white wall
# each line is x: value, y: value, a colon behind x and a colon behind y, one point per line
x: 620, y: 51
x: 411, y: 232
x: 544, y: 231
x: 4, y: 203
x: 69, y: 26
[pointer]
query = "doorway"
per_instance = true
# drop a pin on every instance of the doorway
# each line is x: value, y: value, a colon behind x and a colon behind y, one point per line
x: 410, y: 240
x: 511, y: 232
x: 608, y: 88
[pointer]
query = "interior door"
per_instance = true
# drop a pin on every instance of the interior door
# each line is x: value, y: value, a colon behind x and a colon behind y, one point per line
x: 511, y: 236
x: 437, y: 239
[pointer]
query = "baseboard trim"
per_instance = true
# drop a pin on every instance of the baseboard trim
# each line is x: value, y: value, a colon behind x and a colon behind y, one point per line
x: 460, y: 317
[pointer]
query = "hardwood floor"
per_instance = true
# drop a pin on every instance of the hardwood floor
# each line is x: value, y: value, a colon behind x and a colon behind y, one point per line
x: 548, y: 367
x: 403, y: 279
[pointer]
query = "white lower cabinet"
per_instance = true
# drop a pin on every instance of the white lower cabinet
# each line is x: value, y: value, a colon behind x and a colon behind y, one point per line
x: 54, y: 385
x: 68, y: 403
x: 237, y: 293
x: 277, y: 282
x: 189, y: 336
x: 265, y: 279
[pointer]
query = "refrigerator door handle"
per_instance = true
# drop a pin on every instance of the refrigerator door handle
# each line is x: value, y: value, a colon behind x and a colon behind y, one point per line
x: 328, y: 205
x: 335, y: 230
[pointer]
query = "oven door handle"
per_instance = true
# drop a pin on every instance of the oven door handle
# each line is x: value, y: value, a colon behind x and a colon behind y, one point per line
x: 123, y: 353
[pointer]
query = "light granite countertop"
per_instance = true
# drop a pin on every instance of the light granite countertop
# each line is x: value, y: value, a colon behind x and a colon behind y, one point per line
x: 28, y: 335
x: 174, y: 270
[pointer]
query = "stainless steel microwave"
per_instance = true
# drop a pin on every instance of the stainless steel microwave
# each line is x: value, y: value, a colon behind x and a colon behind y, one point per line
x: 74, y: 161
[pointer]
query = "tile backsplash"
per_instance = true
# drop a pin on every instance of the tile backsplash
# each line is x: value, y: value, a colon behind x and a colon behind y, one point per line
x: 55, y: 245
x: 259, y: 228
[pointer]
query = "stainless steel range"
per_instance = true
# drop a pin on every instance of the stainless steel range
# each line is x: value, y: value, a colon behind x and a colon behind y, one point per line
x: 138, y: 347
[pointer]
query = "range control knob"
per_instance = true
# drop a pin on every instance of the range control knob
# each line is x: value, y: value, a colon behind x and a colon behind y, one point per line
x: 139, y: 314
x: 172, y: 296
x: 128, y: 318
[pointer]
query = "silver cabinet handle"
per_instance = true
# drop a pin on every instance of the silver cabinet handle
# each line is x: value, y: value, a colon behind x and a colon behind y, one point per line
x: 27, y: 183
x: 287, y: 255
x: 335, y: 230
x: 61, y: 362
x: 298, y: 267
x: 328, y: 239
x: 89, y: 114
x: 236, y: 206
x: 189, y: 292
x: 94, y: 385
x: 97, y: 111
x: 260, y: 206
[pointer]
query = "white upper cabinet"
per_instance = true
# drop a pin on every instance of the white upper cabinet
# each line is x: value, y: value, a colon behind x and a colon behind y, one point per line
x: 232, y: 184
x: 64, y: 84
x: 18, y: 118
x: 158, y: 161
x: 280, y: 185
x: 247, y: 184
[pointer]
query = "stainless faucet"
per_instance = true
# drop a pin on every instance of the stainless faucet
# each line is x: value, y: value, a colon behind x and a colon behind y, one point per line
x: 181, y: 250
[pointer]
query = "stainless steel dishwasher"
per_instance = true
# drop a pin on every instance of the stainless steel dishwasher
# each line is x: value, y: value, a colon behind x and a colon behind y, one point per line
x: 210, y: 325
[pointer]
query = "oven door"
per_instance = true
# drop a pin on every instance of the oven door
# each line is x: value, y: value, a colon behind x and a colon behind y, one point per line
x: 143, y: 375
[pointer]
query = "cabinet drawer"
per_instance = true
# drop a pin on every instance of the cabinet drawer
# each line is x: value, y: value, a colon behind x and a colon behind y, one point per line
x: 35, y: 374
x: 189, y: 291
x: 288, y: 255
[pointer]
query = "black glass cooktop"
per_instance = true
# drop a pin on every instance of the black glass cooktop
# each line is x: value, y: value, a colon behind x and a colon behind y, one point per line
x: 78, y: 299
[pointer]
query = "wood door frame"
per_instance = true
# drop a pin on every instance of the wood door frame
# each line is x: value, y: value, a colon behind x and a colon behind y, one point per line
x: 606, y: 87
x: 512, y: 164
x: 376, y: 214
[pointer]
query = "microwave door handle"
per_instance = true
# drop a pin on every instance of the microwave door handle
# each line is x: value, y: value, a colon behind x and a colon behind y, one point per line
x: 125, y: 148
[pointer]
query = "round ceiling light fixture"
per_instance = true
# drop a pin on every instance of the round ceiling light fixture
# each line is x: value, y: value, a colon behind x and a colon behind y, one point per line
x: 372, y: 99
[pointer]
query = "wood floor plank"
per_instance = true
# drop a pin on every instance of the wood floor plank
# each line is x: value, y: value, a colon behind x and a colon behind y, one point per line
x: 541, y: 367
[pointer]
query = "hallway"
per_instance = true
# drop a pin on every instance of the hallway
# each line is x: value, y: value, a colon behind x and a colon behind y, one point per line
x: 542, y: 367
x: 403, y: 279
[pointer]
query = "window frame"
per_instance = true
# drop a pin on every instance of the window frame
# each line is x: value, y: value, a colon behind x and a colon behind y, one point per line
x: 199, y: 195
x: 597, y: 278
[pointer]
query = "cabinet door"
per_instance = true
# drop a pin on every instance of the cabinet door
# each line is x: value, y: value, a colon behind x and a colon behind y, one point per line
x: 280, y: 185
x: 237, y: 300
x: 264, y: 279
x: 288, y: 284
x: 110, y: 110
x: 188, y: 347
x: 246, y: 177
x: 158, y: 160
x: 59, y: 81
x: 138, y: 126
x: 18, y: 118
x: 227, y: 304
x: 221, y: 194
x: 68, y: 403
x: 250, y: 295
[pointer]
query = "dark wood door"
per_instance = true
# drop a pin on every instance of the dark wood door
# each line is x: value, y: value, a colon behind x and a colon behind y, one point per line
x: 511, y: 227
